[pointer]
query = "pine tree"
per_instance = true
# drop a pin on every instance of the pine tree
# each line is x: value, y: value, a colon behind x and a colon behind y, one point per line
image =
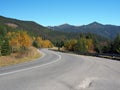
x: 116, y: 44
x: 35, y: 44
x: 81, y: 45
x: 59, y: 44
x: 5, y: 48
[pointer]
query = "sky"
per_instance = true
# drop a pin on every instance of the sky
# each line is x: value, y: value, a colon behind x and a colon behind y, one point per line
x: 56, y: 12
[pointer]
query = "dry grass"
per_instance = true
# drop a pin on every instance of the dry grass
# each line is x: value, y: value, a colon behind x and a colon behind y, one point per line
x: 17, y: 58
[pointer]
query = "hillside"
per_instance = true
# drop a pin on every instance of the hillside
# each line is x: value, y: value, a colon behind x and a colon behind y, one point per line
x: 11, y: 24
x: 33, y: 28
x: 24, y: 25
x: 108, y: 31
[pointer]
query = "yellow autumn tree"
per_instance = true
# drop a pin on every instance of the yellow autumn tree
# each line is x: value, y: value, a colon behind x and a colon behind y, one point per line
x: 69, y: 45
x: 40, y: 43
x: 24, y: 39
x: 90, y: 45
x: 46, y: 44
x: 19, y: 40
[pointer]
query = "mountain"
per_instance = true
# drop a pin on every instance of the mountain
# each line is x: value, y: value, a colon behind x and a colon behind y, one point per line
x: 23, y: 25
x: 108, y: 31
x: 31, y: 27
x: 64, y: 28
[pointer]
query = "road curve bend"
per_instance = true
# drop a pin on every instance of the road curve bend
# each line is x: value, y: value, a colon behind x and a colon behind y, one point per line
x: 62, y: 71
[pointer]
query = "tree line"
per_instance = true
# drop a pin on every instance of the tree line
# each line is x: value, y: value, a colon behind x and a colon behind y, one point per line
x: 89, y: 43
x: 20, y: 41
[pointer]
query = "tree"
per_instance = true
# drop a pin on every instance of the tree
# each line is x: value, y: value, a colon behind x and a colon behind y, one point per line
x: 81, y: 46
x: 5, y: 48
x: 39, y: 41
x: 116, y: 44
x: 3, y: 31
x: 35, y: 44
x: 90, y: 45
x: 98, y: 47
x: 24, y: 39
x: 46, y: 44
x: 19, y: 40
x: 59, y: 44
x: 69, y: 45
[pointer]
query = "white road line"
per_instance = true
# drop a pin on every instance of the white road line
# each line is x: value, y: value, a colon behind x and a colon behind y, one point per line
x: 59, y: 58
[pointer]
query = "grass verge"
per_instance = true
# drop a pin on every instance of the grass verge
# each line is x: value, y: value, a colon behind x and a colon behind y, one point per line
x: 16, y: 58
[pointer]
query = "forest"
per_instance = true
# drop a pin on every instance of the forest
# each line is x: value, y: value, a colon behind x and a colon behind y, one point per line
x: 19, y: 41
x: 90, y: 43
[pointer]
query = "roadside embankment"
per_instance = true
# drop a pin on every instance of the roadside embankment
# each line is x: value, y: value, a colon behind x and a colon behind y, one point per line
x: 16, y: 58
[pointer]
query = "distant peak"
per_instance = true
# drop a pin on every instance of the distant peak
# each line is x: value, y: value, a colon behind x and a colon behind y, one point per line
x: 65, y: 24
x: 97, y: 23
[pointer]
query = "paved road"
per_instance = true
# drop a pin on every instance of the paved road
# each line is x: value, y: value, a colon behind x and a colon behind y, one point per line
x: 60, y: 71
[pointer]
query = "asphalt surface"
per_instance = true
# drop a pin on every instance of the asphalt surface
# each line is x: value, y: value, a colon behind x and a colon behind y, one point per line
x: 61, y: 71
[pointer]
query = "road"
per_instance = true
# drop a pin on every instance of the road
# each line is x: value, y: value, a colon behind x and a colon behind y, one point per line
x: 61, y: 71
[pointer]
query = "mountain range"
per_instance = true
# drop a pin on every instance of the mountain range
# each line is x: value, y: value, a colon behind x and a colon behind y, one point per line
x: 108, y: 31
x: 63, y: 32
x: 31, y: 27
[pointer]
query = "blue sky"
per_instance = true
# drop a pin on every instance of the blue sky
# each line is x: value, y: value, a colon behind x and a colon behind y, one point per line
x: 56, y: 12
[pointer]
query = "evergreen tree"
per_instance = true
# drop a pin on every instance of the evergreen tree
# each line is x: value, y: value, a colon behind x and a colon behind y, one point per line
x: 5, y: 48
x: 59, y: 44
x: 116, y: 44
x: 35, y: 44
x: 81, y: 46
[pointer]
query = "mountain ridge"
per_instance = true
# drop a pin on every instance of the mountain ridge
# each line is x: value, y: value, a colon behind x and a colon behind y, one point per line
x: 29, y: 26
x: 107, y: 30
x: 33, y: 28
x: 65, y: 31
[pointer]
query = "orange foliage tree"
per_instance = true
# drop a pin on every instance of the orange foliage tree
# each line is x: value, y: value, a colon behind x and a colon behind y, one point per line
x: 42, y: 43
x: 46, y: 44
x: 90, y: 45
x: 19, y: 40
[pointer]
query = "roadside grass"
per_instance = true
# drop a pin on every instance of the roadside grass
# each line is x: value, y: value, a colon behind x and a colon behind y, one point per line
x: 17, y: 58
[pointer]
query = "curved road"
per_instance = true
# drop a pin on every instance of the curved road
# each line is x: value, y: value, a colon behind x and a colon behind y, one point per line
x: 61, y: 71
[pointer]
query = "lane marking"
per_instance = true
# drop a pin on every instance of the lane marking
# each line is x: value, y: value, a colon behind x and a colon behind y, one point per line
x: 7, y: 73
